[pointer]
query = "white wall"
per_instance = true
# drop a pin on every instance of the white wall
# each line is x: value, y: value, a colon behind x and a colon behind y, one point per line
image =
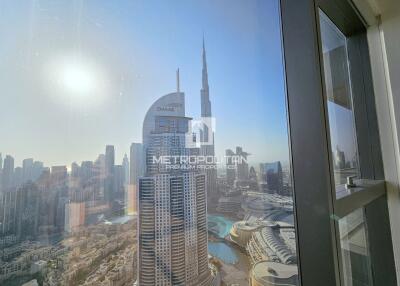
x: 384, y: 44
x: 389, y: 30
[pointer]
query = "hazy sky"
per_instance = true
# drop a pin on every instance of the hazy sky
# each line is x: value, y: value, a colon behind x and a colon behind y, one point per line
x: 52, y: 53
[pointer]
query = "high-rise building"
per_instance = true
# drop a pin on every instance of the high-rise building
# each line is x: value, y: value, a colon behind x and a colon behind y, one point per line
x: 27, y: 170
x: 129, y: 192
x: 28, y: 202
x: 136, y: 170
x: 242, y: 165
x: 37, y: 170
x: 230, y: 167
x: 99, y: 177
x: 86, y: 171
x: 49, y: 198
x: 8, y: 172
x: 119, y: 179
x: 272, y: 174
x: 59, y: 175
x: 1, y: 171
x: 125, y: 165
x: 75, y: 215
x: 131, y: 199
x: 100, y: 166
x: 252, y: 174
x: 340, y: 159
x: 172, y: 202
x: 237, y: 168
x: 75, y: 170
x: 8, y: 212
x: 207, y: 134
x: 205, y: 91
x: 137, y: 163
x: 109, y: 184
x: 17, y: 177
x: 110, y: 159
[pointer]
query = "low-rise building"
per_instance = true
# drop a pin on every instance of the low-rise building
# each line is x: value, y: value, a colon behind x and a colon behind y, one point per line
x: 266, y: 273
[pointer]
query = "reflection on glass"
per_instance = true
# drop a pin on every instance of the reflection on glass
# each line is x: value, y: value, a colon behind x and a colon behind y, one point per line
x: 142, y: 175
x: 339, y: 101
x: 355, y: 259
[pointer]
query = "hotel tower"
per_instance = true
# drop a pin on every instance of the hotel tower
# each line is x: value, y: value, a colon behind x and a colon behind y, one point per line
x: 172, y: 223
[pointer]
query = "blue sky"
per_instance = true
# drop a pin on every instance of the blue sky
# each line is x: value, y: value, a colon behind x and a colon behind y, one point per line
x: 134, y: 48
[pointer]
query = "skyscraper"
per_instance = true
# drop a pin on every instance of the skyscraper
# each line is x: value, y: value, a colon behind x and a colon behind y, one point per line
x: 125, y: 165
x: 207, y: 134
x: 237, y: 168
x: 252, y: 174
x: 273, y: 175
x: 119, y: 178
x: 110, y: 159
x: 109, y: 184
x: 28, y: 202
x: 242, y: 165
x: 8, y: 172
x: 137, y: 165
x: 59, y: 175
x: 99, y: 169
x: 75, y: 170
x: 172, y: 202
x: 136, y: 170
x: 75, y: 215
x: 8, y: 213
x: 86, y: 171
x: 37, y: 170
x: 205, y: 91
x: 27, y: 169
x: 230, y: 167
x: 1, y: 171
x: 340, y: 158
x: 17, y: 179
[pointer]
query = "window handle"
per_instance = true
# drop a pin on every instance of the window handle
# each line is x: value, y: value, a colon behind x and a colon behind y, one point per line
x: 350, y: 182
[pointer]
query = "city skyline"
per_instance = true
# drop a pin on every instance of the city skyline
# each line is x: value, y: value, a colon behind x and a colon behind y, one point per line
x: 64, y: 132
x: 99, y: 94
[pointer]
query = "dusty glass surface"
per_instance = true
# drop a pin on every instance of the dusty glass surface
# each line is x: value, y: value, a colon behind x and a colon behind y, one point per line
x: 339, y: 101
x: 144, y: 143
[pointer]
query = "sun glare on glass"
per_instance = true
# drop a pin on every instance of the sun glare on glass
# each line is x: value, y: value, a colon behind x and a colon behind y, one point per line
x: 78, y: 79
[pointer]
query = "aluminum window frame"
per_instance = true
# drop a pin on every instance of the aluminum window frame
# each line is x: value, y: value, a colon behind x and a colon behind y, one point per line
x: 316, y: 207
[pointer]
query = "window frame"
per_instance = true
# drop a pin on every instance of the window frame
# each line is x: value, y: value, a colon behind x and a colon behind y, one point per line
x: 317, y: 210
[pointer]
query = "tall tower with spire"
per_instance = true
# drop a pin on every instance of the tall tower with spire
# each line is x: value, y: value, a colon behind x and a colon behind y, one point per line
x: 205, y: 91
x: 207, y: 143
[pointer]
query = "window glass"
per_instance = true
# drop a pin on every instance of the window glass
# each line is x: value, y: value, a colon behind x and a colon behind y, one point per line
x: 144, y: 143
x: 355, y: 259
x: 339, y: 101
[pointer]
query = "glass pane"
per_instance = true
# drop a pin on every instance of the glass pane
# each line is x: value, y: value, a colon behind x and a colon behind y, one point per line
x: 146, y: 144
x: 339, y: 101
x: 356, y: 268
